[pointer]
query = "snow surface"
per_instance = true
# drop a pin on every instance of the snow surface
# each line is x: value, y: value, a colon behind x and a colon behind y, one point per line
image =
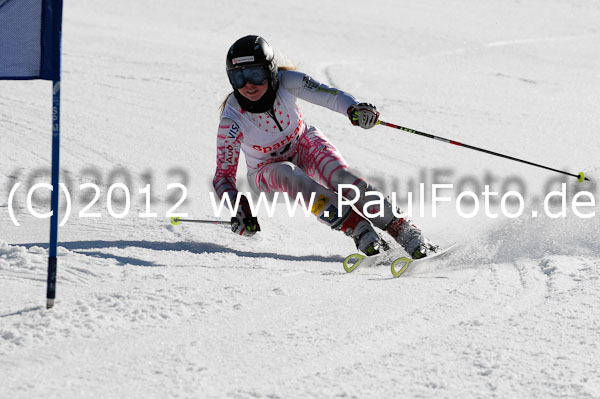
x: 146, y: 309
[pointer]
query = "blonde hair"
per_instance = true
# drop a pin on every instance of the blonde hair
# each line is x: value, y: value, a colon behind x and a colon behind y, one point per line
x: 279, y: 69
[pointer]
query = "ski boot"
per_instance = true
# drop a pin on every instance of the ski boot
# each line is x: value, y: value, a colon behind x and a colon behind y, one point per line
x: 365, y: 237
x: 410, y: 237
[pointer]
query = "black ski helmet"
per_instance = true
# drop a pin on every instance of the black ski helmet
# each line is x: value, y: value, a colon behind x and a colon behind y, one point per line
x: 253, y: 50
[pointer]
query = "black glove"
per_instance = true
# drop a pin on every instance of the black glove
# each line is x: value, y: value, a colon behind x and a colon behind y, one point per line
x: 364, y: 115
x: 244, y: 223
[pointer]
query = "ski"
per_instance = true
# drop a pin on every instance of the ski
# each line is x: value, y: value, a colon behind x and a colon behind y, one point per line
x: 396, y: 258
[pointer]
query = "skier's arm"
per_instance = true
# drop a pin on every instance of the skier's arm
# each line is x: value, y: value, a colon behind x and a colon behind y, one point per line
x: 229, y: 142
x: 303, y: 86
x: 308, y: 89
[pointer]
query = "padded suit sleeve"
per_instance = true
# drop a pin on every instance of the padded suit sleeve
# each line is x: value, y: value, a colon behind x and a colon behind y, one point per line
x: 308, y: 89
x: 229, y: 142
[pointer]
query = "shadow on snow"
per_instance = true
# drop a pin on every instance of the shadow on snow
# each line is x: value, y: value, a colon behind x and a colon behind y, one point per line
x: 83, y: 248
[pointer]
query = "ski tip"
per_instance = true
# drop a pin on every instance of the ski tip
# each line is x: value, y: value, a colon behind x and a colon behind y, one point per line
x: 175, y: 220
x: 352, y: 261
x: 397, y: 272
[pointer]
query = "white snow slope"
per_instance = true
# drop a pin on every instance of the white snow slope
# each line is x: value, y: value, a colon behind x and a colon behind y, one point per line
x: 145, y: 309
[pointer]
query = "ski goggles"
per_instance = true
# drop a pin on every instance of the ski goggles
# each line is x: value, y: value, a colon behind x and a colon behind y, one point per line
x: 238, y: 77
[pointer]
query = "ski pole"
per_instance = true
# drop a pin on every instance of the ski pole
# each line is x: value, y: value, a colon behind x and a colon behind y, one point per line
x: 580, y: 177
x: 176, y: 220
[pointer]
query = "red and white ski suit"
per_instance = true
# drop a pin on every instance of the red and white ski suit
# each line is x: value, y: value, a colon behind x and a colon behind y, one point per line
x: 285, y: 154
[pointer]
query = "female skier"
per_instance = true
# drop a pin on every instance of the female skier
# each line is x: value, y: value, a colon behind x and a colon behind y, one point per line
x: 286, y: 154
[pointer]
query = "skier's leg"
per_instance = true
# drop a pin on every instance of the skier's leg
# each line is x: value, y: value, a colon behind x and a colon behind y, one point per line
x: 380, y: 213
x: 289, y: 178
x: 322, y: 161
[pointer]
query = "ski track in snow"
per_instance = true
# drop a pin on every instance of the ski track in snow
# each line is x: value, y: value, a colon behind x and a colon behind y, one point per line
x: 145, y: 309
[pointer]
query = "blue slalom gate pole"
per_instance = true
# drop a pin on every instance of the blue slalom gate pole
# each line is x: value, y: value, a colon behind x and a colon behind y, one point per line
x: 30, y: 48
x: 52, y: 266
